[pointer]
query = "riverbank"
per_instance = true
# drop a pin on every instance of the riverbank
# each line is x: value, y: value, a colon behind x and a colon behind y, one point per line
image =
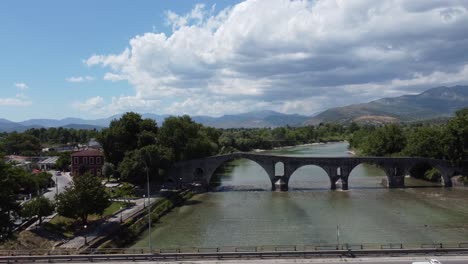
x: 300, y: 145
x: 309, y: 213
x: 131, y: 230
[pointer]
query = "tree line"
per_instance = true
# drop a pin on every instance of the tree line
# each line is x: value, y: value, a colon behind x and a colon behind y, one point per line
x: 448, y: 141
x: 31, y: 141
x: 16, y: 183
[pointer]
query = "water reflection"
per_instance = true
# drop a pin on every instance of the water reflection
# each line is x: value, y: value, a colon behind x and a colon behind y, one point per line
x: 245, y: 212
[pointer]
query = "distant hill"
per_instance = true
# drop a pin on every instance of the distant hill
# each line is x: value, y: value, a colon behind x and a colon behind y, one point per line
x: 434, y: 103
x: 253, y: 119
x: 246, y: 120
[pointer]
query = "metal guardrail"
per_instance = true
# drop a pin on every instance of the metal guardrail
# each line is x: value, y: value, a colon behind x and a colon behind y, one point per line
x: 233, y: 249
x: 222, y: 255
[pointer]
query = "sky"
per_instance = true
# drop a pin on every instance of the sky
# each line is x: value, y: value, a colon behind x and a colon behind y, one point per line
x: 93, y: 59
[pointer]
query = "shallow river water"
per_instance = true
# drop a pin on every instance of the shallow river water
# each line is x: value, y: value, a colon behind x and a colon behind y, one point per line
x: 244, y: 212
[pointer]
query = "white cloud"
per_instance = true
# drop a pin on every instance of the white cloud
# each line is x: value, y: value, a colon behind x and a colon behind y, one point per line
x: 293, y: 56
x: 91, y: 104
x: 21, y: 86
x: 79, y: 79
x: 14, y: 102
x: 109, y: 76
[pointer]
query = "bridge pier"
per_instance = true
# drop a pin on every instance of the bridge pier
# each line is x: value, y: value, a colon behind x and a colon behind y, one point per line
x: 395, y: 176
x: 280, y: 184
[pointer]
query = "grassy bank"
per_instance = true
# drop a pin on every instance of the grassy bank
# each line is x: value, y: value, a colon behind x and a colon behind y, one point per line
x: 130, y: 231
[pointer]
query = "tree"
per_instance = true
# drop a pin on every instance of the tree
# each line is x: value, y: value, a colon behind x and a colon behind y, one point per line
x: 126, y: 134
x: 9, y: 189
x: 84, y: 197
x: 187, y: 139
x: 386, y: 140
x: 64, y: 161
x: 133, y: 167
x: 21, y: 144
x: 456, y: 138
x: 425, y: 142
x: 108, y: 170
x: 125, y: 191
x: 39, y: 207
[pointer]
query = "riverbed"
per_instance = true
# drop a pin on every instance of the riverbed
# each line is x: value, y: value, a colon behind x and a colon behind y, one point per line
x: 244, y: 212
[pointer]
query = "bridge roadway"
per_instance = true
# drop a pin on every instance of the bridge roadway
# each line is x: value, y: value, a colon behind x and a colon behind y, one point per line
x: 375, y: 260
x: 280, y: 168
x: 355, y: 256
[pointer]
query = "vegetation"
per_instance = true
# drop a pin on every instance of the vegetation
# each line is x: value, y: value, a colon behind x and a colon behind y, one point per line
x: 448, y: 142
x: 130, y: 231
x: 64, y: 161
x: 38, y: 207
x: 60, y: 135
x: 14, y: 182
x: 86, y: 196
x: 66, y: 227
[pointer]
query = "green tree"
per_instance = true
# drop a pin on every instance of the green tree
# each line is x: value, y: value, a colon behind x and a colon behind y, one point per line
x: 64, y: 161
x: 84, y: 197
x: 154, y: 157
x: 40, y: 207
x: 108, y: 170
x: 125, y: 191
x: 126, y: 134
x: 456, y: 138
x: 9, y: 189
x: 383, y: 141
x: 187, y: 139
x: 425, y: 142
x: 21, y: 144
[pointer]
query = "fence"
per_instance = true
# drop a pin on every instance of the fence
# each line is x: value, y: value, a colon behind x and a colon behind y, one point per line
x: 462, y: 246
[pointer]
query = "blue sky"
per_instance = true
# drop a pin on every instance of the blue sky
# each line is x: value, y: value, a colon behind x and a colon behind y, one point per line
x: 93, y: 59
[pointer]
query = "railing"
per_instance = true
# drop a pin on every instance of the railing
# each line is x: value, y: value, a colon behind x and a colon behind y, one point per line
x: 243, y: 249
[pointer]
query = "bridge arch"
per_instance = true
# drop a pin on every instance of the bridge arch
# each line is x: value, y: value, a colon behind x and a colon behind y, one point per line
x: 301, y: 178
x: 210, y: 173
x: 432, y: 172
x: 360, y: 168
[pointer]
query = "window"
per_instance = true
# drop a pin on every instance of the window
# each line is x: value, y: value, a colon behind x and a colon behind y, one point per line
x: 91, y: 160
x: 75, y: 160
x: 99, y: 172
x: 85, y: 160
x: 98, y: 160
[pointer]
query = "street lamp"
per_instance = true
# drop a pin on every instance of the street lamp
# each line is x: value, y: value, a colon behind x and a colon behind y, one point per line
x: 149, y: 210
x: 338, y: 236
x: 85, y: 238
x: 144, y: 201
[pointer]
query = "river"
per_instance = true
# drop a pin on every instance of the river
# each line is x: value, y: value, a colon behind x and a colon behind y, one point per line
x: 244, y: 212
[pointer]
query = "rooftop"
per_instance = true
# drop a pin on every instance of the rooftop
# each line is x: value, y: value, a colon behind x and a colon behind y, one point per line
x: 87, y: 152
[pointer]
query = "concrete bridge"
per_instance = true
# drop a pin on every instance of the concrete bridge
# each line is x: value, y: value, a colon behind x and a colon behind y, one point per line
x: 280, y: 168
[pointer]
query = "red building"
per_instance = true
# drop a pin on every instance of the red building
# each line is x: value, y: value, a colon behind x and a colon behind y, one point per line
x: 89, y: 160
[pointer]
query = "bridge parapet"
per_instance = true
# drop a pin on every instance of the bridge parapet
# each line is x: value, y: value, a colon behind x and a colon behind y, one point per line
x: 338, y: 168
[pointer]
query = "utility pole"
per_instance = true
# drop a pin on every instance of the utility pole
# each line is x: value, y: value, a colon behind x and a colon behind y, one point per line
x: 338, y: 236
x: 149, y: 209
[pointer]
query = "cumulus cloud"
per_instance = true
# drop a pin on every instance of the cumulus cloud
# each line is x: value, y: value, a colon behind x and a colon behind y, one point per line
x: 21, y: 86
x: 14, y: 102
x: 98, y: 105
x: 291, y: 56
x: 79, y: 79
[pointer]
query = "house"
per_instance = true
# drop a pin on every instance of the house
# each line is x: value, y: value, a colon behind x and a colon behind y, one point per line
x: 88, y: 160
x: 48, y: 163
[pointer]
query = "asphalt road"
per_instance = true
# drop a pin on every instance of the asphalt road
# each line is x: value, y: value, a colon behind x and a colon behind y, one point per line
x: 63, y: 181
x: 384, y: 260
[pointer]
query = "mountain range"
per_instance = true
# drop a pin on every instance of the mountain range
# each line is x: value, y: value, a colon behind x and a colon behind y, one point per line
x: 434, y: 103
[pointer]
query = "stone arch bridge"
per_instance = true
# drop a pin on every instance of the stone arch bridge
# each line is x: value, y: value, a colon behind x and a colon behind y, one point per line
x: 200, y: 171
